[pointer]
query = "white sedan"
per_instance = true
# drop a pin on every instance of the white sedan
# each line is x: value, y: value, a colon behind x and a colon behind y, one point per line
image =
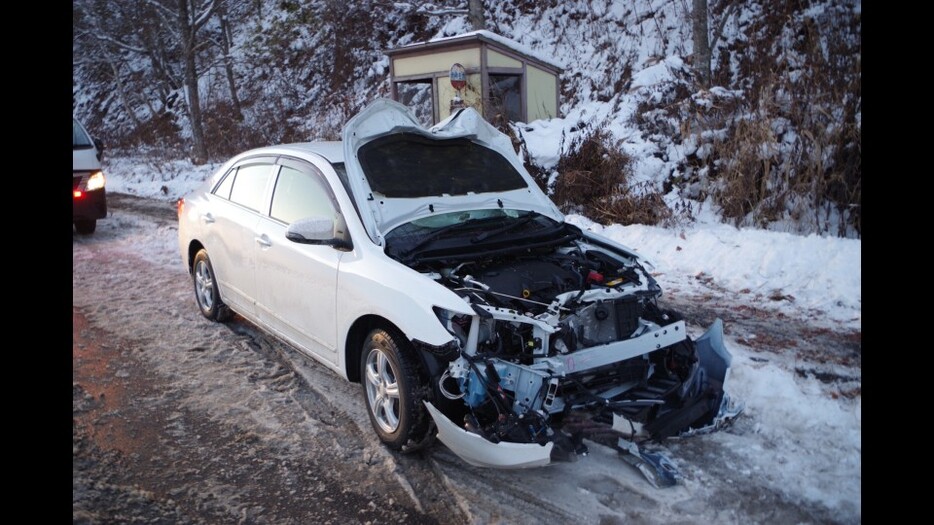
x: 427, y: 265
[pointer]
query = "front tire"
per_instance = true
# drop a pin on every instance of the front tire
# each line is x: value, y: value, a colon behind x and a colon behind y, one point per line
x: 206, y: 292
x: 85, y: 226
x: 393, y: 389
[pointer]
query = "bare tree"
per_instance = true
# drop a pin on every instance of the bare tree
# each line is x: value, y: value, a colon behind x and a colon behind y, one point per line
x: 705, y: 41
x: 225, y: 43
x: 191, y: 15
x: 475, y: 14
x: 701, y: 44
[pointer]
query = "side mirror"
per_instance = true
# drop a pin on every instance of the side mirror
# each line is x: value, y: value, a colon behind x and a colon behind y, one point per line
x: 317, y: 230
x: 99, y: 145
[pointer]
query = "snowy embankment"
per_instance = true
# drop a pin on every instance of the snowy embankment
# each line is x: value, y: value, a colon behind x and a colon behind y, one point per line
x: 154, y: 177
x: 813, y: 277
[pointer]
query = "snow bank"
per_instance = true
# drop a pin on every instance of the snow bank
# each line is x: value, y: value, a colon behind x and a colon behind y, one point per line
x: 819, y: 277
x: 155, y: 178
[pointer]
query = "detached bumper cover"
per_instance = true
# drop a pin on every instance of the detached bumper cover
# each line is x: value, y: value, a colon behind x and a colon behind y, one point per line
x: 477, y: 451
x: 715, y: 360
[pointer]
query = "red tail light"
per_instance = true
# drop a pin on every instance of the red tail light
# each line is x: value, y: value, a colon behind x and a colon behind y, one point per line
x: 77, y: 194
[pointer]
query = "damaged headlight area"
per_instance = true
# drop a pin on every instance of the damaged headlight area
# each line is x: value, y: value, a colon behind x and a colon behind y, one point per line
x: 567, y: 342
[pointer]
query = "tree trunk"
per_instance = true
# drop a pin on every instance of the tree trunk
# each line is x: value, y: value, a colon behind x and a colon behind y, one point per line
x: 186, y: 29
x: 121, y: 91
x: 701, y: 44
x: 475, y: 14
x: 226, y: 41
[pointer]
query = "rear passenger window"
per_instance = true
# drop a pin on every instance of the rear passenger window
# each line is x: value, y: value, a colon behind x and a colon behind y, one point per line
x: 299, y: 195
x: 249, y: 187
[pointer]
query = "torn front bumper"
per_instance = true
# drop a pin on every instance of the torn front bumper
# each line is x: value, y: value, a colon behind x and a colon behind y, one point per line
x: 710, y: 376
x: 715, y: 361
x: 477, y: 451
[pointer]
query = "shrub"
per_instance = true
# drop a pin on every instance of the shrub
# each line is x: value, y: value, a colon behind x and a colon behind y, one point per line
x: 594, y: 178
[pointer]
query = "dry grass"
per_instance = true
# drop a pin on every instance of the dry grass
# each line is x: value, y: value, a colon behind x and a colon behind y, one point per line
x: 595, y: 178
x: 793, y: 149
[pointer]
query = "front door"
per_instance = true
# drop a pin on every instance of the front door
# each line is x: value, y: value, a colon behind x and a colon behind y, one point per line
x: 297, y: 283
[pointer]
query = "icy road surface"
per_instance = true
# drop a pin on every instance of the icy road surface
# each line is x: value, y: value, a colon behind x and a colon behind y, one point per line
x: 180, y: 420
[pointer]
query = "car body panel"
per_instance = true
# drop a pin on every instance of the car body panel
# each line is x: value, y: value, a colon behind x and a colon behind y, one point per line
x: 296, y: 288
x: 481, y: 453
x: 229, y: 230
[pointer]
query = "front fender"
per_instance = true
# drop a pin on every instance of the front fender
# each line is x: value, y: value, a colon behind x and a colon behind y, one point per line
x: 399, y: 294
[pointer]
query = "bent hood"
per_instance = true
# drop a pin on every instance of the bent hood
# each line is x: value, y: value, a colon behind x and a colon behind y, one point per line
x: 384, y: 206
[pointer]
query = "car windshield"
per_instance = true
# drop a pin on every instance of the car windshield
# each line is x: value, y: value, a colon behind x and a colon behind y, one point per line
x: 80, y: 139
x: 405, y: 165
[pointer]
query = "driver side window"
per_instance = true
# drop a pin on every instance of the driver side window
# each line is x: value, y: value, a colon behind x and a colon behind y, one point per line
x: 300, y: 194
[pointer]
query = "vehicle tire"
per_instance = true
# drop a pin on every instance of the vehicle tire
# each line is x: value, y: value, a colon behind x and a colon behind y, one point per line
x: 393, y: 389
x: 206, y: 291
x: 85, y: 226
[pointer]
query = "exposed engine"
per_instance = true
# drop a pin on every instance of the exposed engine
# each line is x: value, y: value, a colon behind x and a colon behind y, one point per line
x: 595, y: 298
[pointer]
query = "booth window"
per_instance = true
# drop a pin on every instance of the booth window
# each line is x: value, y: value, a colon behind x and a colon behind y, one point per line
x: 505, y: 97
x: 417, y: 94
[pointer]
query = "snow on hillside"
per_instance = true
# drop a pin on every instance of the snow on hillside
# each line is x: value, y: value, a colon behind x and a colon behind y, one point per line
x: 788, y: 72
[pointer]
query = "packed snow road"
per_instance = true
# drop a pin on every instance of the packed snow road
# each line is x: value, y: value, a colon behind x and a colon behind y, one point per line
x: 177, y: 419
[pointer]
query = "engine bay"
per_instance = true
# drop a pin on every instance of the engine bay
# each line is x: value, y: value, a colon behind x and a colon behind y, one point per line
x: 595, y: 299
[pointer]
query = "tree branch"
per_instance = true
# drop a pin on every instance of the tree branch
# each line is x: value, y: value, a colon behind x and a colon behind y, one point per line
x: 718, y: 32
x: 104, y: 38
x: 435, y: 11
x: 159, y: 7
x: 205, y: 15
x: 428, y: 8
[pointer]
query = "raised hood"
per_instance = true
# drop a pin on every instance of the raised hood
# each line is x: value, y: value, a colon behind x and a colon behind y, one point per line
x: 389, y: 193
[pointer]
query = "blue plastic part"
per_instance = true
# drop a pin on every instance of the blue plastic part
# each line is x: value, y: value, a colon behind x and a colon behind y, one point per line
x: 474, y: 391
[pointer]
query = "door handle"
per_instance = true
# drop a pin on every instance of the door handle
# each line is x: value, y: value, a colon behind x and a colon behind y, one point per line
x: 208, y: 218
x: 263, y: 241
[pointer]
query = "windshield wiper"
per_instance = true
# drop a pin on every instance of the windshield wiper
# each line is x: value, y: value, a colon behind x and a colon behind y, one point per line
x: 438, y: 232
x: 503, y: 229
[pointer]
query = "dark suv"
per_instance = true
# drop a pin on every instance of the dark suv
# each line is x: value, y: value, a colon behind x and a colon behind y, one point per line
x: 89, y: 199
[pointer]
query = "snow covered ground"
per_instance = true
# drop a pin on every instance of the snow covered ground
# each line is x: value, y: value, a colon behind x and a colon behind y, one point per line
x: 795, y: 456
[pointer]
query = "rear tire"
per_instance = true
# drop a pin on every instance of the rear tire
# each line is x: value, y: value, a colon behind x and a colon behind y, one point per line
x: 393, y: 390
x: 206, y: 292
x: 85, y: 226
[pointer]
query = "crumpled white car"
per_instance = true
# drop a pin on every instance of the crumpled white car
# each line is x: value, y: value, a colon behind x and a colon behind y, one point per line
x: 427, y: 265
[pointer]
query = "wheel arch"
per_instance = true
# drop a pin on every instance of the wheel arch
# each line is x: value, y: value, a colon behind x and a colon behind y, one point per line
x: 356, y: 336
x: 193, y: 248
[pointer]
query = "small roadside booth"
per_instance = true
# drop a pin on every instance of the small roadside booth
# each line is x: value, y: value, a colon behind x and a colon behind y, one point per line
x: 498, y: 77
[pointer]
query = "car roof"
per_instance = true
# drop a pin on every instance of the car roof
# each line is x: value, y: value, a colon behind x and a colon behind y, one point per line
x: 332, y: 150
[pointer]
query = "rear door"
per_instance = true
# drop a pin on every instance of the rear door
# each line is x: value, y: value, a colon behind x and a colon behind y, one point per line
x: 297, y: 283
x: 236, y: 205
